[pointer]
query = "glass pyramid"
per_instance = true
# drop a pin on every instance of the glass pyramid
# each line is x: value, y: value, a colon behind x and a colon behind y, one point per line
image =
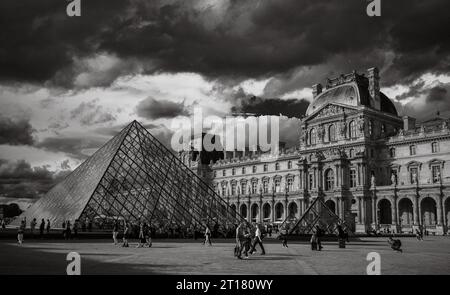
x: 136, y: 178
x: 317, y: 213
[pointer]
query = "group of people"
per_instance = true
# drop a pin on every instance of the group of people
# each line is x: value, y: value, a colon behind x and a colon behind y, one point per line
x: 145, y: 239
x: 246, y: 241
x: 44, y: 227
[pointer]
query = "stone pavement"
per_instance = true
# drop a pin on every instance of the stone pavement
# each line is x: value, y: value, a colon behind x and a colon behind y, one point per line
x: 431, y: 256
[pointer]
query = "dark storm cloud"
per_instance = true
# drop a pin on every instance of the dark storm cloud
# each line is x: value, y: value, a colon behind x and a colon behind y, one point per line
x: 243, y: 39
x: 438, y: 94
x: 77, y: 147
x: 428, y: 103
x: 272, y: 106
x: 90, y: 113
x: 151, y: 108
x: 19, y: 180
x: 15, y: 132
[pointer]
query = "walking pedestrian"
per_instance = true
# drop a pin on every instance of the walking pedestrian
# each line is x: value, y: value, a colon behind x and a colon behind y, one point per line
x: 207, y: 236
x: 42, y: 228
x: 68, y: 230
x: 21, y: 231
x: 115, y: 232
x: 48, y: 226
x: 258, y: 240
x: 147, y: 235
x: 141, y: 236
x: 341, y: 236
x: 33, y: 224
x: 75, y: 228
x: 125, y: 234
x: 319, y: 234
x: 419, y: 235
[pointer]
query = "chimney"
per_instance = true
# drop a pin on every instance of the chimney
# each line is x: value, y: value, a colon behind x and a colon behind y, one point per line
x: 409, y: 123
x: 374, y: 86
x: 317, y: 89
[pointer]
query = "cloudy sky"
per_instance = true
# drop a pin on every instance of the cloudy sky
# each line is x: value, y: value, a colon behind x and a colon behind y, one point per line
x: 67, y: 84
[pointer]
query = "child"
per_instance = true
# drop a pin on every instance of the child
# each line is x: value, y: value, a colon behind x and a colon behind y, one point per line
x: 396, y: 244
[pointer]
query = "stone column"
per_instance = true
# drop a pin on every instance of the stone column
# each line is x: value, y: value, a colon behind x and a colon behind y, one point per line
x: 363, y: 210
x: 439, y: 210
x: 358, y: 172
x: 342, y: 208
x: 260, y: 210
x: 336, y: 201
x: 374, y: 211
x: 359, y: 210
x: 394, y: 212
x: 299, y: 208
x: 416, y: 211
x: 286, y: 211
x: 249, y: 210
x: 273, y: 211
x: 315, y: 178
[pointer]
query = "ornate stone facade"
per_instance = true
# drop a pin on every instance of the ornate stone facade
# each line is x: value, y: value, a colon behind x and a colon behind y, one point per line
x: 373, y: 168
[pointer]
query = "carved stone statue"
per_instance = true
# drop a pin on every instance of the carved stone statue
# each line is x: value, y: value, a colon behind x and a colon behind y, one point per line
x: 320, y: 132
x: 393, y: 179
x: 342, y: 128
x: 361, y: 125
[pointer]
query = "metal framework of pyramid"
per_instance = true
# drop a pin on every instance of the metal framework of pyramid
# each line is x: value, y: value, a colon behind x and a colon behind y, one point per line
x: 317, y: 213
x: 136, y: 178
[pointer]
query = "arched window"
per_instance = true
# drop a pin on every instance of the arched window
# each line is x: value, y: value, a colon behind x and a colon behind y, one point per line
x: 243, y: 170
x: 290, y: 184
x: 329, y: 179
x: 244, y: 210
x: 412, y: 150
x: 277, y: 185
x: 254, y: 187
x: 312, y: 136
x: 277, y: 166
x: 331, y: 133
x: 265, y: 167
x: 233, y: 189
x: 352, y: 129
x: 233, y: 171
x: 265, y: 186
x: 224, y: 172
x: 254, y: 169
x: 279, y: 211
x: 289, y: 164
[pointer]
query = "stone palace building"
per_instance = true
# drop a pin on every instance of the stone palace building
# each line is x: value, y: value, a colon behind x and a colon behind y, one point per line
x: 374, y: 169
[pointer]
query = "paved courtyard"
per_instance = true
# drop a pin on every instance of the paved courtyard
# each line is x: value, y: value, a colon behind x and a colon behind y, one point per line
x: 431, y: 256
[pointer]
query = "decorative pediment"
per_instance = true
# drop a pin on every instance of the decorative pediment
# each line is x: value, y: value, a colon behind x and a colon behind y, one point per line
x: 436, y: 161
x: 330, y: 109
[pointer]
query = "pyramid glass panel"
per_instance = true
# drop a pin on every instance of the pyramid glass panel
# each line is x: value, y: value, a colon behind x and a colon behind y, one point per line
x: 134, y: 177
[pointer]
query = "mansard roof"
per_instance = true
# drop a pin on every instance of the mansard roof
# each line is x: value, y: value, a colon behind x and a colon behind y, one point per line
x: 352, y: 90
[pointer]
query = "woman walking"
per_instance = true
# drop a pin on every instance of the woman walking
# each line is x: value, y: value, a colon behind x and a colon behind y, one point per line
x: 207, y: 236
x: 20, y: 232
x: 141, y: 236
